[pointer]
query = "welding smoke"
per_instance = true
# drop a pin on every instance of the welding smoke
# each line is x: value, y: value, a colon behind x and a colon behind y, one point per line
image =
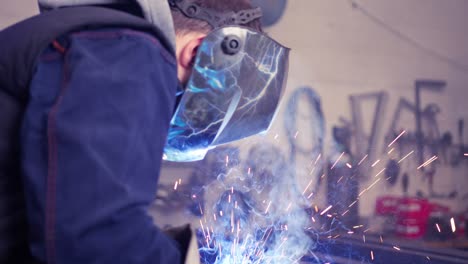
x: 255, y: 213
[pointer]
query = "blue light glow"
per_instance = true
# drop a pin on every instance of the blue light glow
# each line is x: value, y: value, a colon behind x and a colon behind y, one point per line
x: 256, y: 216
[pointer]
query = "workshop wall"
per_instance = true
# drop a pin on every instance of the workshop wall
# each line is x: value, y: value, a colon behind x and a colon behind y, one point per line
x: 353, y: 48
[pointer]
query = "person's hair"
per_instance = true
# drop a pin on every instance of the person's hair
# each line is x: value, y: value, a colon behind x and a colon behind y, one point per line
x: 183, y: 24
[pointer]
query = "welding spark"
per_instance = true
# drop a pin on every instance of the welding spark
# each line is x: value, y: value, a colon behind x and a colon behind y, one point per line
x: 438, y: 227
x: 308, y: 185
x: 227, y: 160
x: 397, y: 248
x: 358, y: 226
x: 268, y: 235
x: 320, y: 155
x: 362, y: 192
x: 364, y: 238
x: 337, y: 161
x: 375, y: 163
x: 203, y: 228
x: 379, y: 173
x: 295, y: 135
x: 372, y: 185
x: 362, y: 160
x: 372, y: 254
x: 308, y: 197
x: 282, y: 243
x: 232, y: 221
x: 175, y: 185
x: 429, y: 161
x: 401, y: 134
x: 201, y: 210
x: 381, y: 239
x: 466, y: 154
x: 312, y: 171
x: 268, y: 207
x: 389, y: 152
x: 407, y: 155
x: 326, y: 210
x: 276, y: 136
x: 349, y: 165
x: 452, y: 223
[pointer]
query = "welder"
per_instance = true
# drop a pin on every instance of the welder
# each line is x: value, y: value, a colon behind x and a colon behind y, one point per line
x: 94, y: 93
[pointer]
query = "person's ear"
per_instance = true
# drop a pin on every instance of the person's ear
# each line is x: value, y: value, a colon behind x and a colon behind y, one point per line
x: 188, y: 52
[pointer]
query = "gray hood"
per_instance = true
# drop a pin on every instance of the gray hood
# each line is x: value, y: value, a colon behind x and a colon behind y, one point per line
x: 155, y: 11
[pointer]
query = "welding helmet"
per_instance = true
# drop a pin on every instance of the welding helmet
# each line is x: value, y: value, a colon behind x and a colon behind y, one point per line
x: 235, y: 87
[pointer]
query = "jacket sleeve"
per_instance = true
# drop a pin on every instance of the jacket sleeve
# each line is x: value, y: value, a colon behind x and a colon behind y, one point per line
x: 92, y: 142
